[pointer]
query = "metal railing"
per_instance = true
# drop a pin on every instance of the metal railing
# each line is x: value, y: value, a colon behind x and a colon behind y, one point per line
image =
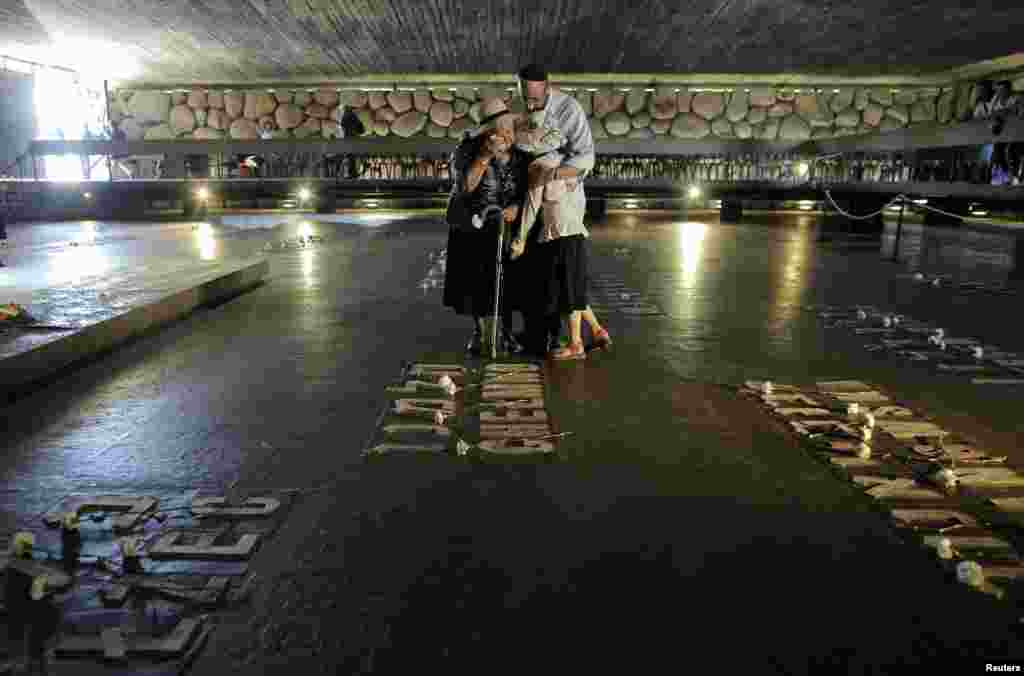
x: 953, y: 166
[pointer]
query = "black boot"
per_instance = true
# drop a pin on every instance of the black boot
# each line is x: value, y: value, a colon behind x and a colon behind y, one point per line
x: 510, y: 344
x: 475, y: 344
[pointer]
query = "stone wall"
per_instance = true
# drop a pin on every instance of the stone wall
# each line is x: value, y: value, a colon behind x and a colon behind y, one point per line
x: 768, y: 113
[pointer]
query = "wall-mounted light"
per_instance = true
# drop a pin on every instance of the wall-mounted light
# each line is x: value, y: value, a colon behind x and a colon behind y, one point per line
x: 202, y: 194
x: 87, y: 195
x: 304, y: 194
x: 694, y: 192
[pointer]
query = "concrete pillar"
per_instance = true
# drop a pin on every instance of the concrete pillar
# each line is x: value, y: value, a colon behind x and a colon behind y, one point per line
x: 732, y: 211
x: 326, y: 202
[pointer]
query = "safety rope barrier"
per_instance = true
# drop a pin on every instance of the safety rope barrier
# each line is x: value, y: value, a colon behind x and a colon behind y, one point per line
x: 898, y: 199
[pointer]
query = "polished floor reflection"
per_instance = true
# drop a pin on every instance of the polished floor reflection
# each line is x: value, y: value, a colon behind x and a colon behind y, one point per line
x: 281, y: 388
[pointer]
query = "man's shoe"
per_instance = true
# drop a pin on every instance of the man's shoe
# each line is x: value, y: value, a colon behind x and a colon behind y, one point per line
x: 511, y: 345
x: 573, y: 351
x: 602, y: 341
x: 475, y: 344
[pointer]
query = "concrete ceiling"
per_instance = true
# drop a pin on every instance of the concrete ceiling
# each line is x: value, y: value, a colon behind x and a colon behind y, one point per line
x: 240, y: 40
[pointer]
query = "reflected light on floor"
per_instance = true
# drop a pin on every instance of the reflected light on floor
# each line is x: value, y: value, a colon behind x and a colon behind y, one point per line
x: 691, y: 244
x: 306, y: 257
x: 88, y: 233
x: 77, y: 263
x: 794, y: 279
x: 206, y: 242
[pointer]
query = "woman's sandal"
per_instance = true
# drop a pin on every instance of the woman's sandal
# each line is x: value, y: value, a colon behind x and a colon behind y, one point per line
x: 572, y: 351
x: 602, y: 341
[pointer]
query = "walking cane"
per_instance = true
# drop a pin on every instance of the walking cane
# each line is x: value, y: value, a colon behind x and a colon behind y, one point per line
x: 497, y: 290
x: 478, y: 223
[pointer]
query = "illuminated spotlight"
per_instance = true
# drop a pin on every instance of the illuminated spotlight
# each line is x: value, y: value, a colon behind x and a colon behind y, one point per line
x: 979, y: 212
x: 716, y: 204
x: 694, y: 192
x: 802, y: 169
x: 806, y: 205
x: 370, y: 204
x: 203, y: 194
x: 922, y: 202
x: 304, y: 194
x: 87, y: 195
x: 204, y: 230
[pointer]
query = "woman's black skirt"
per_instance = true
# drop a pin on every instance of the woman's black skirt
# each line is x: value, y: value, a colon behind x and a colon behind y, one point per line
x: 566, y: 275
x: 470, y: 271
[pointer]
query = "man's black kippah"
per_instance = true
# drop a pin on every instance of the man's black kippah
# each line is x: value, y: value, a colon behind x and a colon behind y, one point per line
x: 533, y: 73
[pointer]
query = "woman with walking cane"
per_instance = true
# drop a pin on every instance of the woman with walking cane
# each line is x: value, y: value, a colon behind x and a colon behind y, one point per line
x: 488, y: 185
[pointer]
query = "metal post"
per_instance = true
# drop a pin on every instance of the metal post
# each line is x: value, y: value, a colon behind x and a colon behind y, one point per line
x: 899, y: 232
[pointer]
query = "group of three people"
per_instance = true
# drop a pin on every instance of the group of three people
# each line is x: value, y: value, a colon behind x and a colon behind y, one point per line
x: 522, y: 174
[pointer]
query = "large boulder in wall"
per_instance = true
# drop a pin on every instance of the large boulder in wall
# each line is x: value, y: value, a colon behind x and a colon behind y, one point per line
x: 739, y: 106
x: 441, y: 113
x: 258, y: 104
x: 244, y: 129
x: 409, y: 124
x: 197, y: 99
x: 873, y: 114
x: 617, y: 123
x: 607, y: 101
x: 355, y: 99
x: 636, y: 101
x: 234, y: 104
x: 945, y: 108
x: 318, y: 110
x: 794, y: 128
x: 311, y: 127
x: 459, y: 127
x: 663, y: 106
x: 150, y: 107
x: 328, y: 98
x: 386, y: 114
x: 288, y: 116
x: 661, y: 126
x: 217, y: 119
x: 690, y: 126
x: 722, y: 128
x: 400, y: 102
x: 207, y: 134
x: 421, y: 100
x: 708, y: 105
x: 182, y: 119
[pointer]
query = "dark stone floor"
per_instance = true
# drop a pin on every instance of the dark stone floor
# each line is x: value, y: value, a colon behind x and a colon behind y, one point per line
x: 677, y: 527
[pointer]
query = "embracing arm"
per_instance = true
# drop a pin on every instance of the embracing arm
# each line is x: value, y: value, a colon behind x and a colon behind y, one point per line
x: 579, y: 153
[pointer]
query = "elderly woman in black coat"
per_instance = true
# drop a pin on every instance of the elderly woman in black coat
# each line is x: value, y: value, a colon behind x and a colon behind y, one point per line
x: 488, y: 187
